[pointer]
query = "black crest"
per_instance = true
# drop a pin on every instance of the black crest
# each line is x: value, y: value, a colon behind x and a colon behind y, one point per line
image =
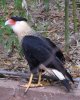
x: 17, y: 18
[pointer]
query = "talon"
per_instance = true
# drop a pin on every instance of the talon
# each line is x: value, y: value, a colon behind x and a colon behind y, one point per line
x: 25, y: 86
x: 39, y: 84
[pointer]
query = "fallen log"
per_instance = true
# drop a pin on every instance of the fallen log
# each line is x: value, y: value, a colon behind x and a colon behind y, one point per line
x: 15, y: 74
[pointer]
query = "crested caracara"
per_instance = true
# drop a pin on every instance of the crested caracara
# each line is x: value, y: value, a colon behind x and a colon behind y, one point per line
x: 40, y: 52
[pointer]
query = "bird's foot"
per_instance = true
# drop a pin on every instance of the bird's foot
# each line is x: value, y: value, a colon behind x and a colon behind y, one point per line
x: 27, y: 86
x: 45, y: 83
x: 38, y: 85
x: 32, y: 85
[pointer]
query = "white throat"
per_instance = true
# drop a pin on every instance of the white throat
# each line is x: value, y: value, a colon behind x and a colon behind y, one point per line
x: 21, y: 28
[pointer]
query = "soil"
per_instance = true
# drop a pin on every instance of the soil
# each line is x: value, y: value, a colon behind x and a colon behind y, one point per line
x: 55, y: 31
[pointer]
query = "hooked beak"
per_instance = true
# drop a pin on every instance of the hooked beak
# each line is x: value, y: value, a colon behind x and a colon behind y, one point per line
x: 7, y: 22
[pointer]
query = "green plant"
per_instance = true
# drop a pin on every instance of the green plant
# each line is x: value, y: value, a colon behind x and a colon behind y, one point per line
x: 74, y: 15
x: 46, y: 3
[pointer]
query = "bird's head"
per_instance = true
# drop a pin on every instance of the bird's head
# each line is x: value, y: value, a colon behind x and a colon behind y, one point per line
x: 19, y: 25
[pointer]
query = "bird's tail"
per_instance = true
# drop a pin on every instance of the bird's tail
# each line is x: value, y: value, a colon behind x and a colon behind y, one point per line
x: 62, y: 78
x: 69, y: 76
x: 60, y: 72
x: 64, y: 70
x: 66, y: 83
x: 59, y: 75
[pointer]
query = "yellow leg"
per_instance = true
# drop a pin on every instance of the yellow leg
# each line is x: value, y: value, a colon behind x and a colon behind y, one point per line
x: 29, y: 84
x: 30, y: 81
x: 41, y: 83
x: 39, y: 80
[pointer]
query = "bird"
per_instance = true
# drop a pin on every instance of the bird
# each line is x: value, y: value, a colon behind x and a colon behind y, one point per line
x: 40, y: 52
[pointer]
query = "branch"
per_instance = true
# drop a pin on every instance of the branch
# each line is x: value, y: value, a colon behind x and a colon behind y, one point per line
x: 12, y: 73
x: 24, y: 75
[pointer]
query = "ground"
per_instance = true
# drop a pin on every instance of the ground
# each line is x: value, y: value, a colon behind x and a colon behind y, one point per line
x: 49, y: 24
x: 10, y: 90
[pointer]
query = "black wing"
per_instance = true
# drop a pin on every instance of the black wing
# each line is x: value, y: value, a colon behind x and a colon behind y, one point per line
x: 59, y: 53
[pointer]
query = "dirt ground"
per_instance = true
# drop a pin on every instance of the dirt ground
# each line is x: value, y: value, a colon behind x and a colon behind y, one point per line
x: 55, y: 31
x: 10, y: 90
